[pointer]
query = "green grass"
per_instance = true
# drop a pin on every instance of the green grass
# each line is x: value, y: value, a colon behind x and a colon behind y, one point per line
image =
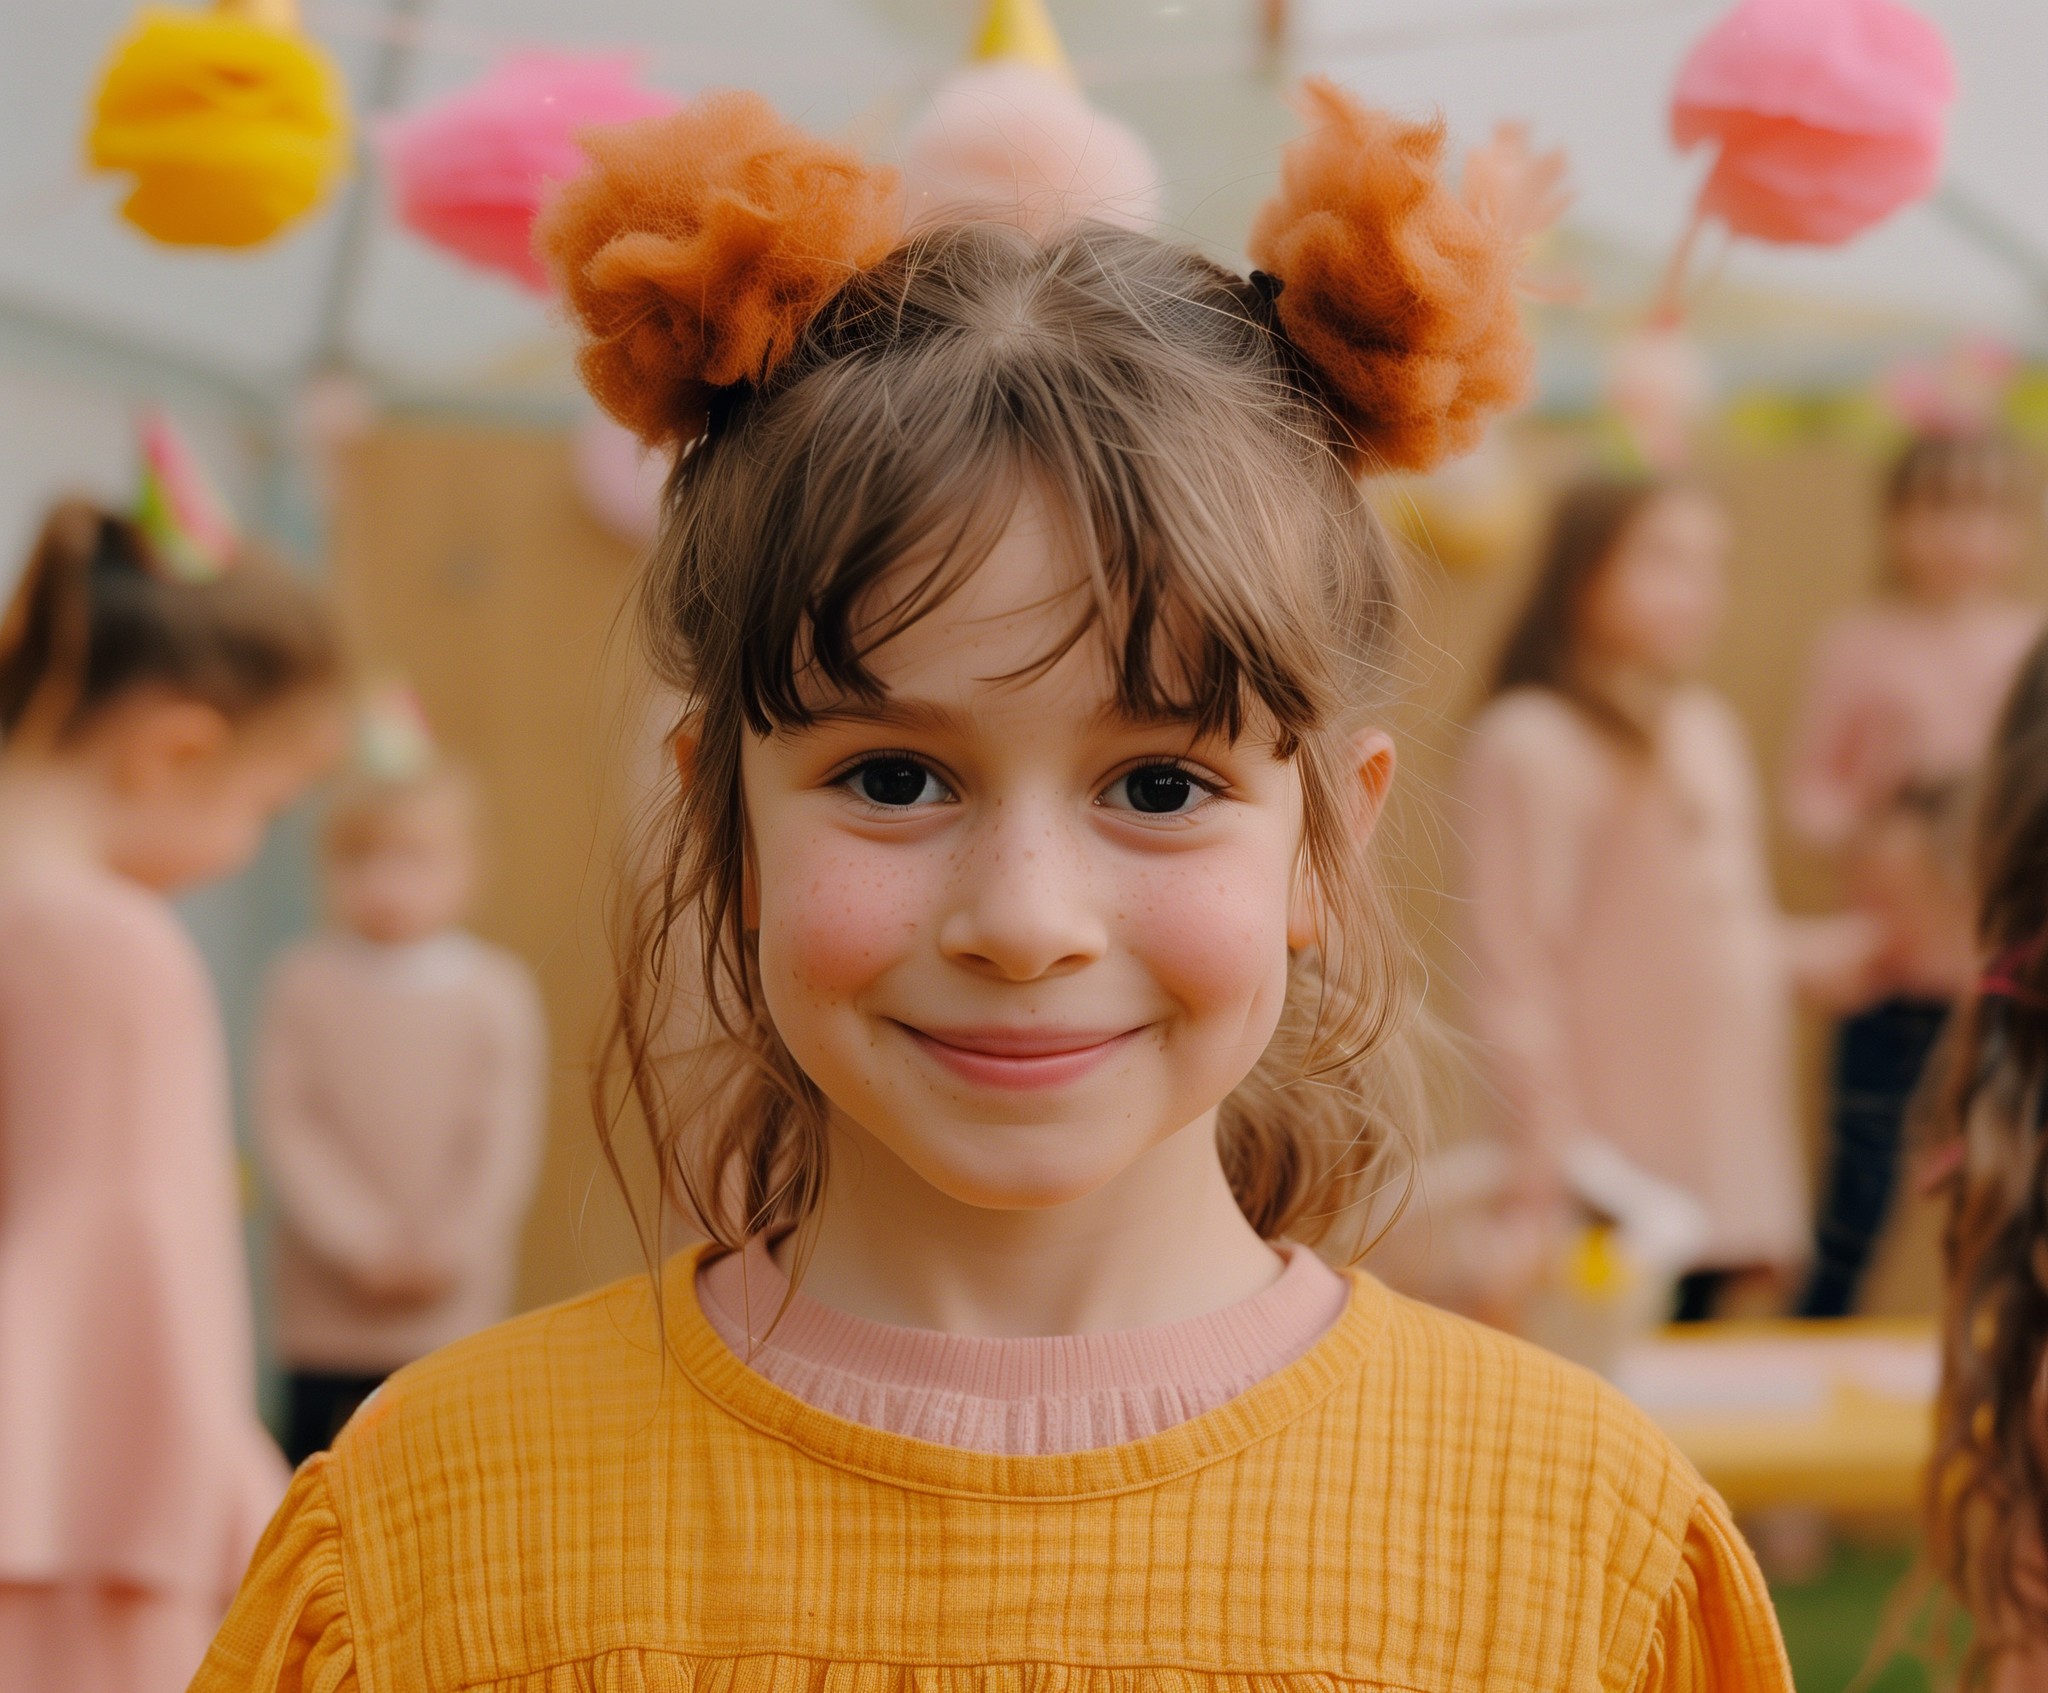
x: 1830, y: 1622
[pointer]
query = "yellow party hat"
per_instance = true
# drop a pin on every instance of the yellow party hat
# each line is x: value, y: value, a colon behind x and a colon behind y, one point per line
x: 1021, y: 29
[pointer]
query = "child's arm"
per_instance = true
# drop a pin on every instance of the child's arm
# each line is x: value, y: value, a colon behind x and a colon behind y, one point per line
x: 1716, y: 1631
x: 1836, y: 963
x: 1844, y: 757
x: 321, y: 1194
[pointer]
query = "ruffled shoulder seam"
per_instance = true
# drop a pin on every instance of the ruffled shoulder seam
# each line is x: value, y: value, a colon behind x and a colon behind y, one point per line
x: 290, y: 1629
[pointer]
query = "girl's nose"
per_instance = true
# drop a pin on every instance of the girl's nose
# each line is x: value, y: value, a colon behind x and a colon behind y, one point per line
x: 1023, y: 910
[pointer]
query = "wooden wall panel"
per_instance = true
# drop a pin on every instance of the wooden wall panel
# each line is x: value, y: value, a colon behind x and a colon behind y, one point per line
x: 464, y: 560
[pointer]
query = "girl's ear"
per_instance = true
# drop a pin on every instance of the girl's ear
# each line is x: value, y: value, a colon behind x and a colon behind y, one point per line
x: 1372, y: 764
x: 1371, y: 771
x: 684, y: 750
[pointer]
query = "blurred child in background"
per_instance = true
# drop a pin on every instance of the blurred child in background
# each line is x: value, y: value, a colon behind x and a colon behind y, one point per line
x: 1988, y: 1485
x: 159, y: 703
x: 1898, y: 709
x: 1632, y: 971
x: 400, y: 1090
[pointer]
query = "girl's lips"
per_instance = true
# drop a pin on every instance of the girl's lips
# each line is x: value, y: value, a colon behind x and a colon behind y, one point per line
x: 1020, y: 1058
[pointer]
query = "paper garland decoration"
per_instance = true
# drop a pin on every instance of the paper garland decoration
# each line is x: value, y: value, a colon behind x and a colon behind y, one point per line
x: 1829, y: 115
x: 1010, y: 136
x: 467, y: 173
x: 1963, y: 390
x: 180, y: 510
x: 230, y: 124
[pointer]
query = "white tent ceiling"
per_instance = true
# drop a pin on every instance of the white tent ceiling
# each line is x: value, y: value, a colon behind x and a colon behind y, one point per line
x: 1590, y: 74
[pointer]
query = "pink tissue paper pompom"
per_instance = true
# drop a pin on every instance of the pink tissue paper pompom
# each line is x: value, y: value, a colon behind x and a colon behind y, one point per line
x: 467, y: 172
x: 1829, y: 113
x: 1011, y: 141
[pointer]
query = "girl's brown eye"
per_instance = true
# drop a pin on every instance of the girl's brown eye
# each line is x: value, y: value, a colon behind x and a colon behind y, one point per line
x: 896, y: 783
x: 1156, y: 790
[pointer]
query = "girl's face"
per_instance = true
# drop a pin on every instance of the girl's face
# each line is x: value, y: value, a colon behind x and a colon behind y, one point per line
x: 192, y: 795
x: 1016, y: 939
x: 1955, y: 548
x: 1656, y: 603
x: 413, y: 877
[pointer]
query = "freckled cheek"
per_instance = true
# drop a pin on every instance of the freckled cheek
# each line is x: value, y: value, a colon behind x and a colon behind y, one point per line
x: 1211, y: 934
x: 837, y: 913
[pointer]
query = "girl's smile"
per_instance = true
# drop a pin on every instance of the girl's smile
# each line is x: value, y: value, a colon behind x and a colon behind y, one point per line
x: 1021, y: 1057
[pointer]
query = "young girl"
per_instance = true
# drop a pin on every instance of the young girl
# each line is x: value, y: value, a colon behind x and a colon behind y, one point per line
x: 1031, y: 628
x: 151, y: 724
x: 1632, y: 974
x: 1988, y: 1106
x: 400, y: 1093
x: 1898, y: 711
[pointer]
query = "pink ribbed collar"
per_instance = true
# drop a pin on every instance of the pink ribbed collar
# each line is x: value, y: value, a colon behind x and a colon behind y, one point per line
x: 1057, y: 1393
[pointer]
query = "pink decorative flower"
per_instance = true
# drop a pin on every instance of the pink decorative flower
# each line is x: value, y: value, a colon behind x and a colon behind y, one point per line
x: 467, y: 172
x: 1829, y: 114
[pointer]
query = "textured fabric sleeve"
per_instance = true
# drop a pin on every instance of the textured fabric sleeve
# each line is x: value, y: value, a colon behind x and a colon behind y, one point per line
x: 1716, y: 1631
x: 1527, y: 828
x: 328, y: 1205
x: 288, y: 1630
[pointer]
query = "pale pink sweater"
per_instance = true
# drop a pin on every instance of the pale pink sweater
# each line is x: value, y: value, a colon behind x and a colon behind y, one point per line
x: 1902, y: 696
x: 130, y: 1451
x: 1058, y: 1393
x: 399, y: 1103
x: 1630, y: 979
x: 1897, y: 694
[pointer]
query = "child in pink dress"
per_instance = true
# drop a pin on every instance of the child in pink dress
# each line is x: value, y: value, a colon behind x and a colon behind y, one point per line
x: 1898, y: 712
x: 1632, y: 973
x: 400, y: 1100
x: 151, y: 722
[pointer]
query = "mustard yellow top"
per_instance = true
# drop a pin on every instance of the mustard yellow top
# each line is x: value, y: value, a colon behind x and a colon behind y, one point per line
x: 1416, y: 1503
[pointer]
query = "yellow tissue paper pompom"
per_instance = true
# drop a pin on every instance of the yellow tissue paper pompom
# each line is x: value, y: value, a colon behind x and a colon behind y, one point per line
x: 230, y: 125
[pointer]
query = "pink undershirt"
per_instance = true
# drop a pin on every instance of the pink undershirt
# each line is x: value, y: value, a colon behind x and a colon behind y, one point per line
x: 1057, y: 1393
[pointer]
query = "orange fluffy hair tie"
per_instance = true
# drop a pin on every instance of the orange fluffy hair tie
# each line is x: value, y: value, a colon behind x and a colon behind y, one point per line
x: 1399, y: 294
x: 696, y: 248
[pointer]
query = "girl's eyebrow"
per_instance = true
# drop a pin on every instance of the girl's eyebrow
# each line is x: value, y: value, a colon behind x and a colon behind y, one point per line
x: 892, y: 712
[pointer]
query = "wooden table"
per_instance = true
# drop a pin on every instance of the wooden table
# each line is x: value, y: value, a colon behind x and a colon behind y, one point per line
x: 1835, y: 1414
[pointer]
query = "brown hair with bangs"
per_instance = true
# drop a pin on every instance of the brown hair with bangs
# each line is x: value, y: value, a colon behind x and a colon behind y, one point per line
x: 1236, y: 572
x: 1958, y: 467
